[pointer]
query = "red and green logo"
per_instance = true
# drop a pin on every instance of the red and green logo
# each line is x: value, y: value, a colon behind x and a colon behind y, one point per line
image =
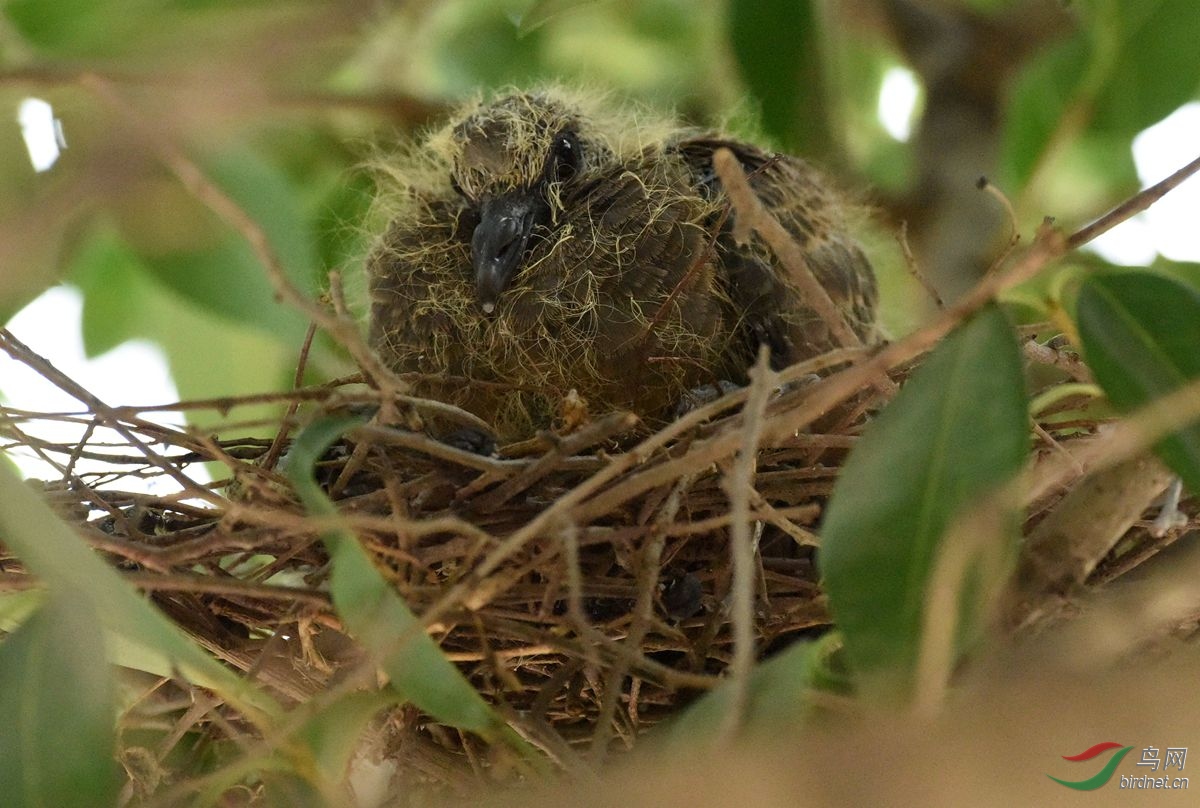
x: 1101, y: 777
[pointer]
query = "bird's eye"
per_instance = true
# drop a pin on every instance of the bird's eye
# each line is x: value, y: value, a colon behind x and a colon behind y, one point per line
x: 566, y: 157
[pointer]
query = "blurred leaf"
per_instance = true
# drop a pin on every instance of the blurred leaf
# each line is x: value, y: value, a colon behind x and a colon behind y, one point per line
x: 109, y: 274
x: 1040, y: 97
x: 1186, y: 272
x: 855, y: 70
x: 16, y: 607
x: 375, y: 614
x: 56, y: 707
x: 138, y: 634
x: 81, y: 27
x: 340, y: 216
x: 1140, y: 333
x: 777, y: 698
x: 1128, y: 66
x: 541, y: 11
x: 1089, y: 173
x: 228, y: 279
x: 288, y: 788
x: 954, y: 432
x: 209, y: 356
x: 336, y: 732
x: 777, y: 47
x: 478, y: 45
x: 1157, y: 68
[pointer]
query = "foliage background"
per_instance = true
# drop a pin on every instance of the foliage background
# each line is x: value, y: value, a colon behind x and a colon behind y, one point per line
x: 279, y: 102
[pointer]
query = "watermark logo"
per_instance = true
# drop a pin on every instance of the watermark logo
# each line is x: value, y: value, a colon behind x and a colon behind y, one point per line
x: 1153, y: 758
x: 1101, y: 777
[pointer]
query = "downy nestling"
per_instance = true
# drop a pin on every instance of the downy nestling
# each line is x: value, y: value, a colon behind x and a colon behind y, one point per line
x: 546, y: 241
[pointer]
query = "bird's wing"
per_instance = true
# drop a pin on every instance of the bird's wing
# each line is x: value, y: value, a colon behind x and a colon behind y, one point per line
x: 771, y: 310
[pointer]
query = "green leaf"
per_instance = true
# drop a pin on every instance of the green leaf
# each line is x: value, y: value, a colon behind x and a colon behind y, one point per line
x: 1157, y: 69
x: 138, y: 635
x: 1044, y: 90
x: 56, y: 707
x: 955, y: 432
x: 375, y: 614
x: 1141, y: 337
x: 290, y: 789
x: 226, y: 277
x: 335, y: 733
x: 777, y: 47
x: 209, y: 355
x: 481, y: 47
x: 542, y: 11
x: 1127, y: 66
x: 94, y: 27
x: 777, y: 699
x: 107, y: 273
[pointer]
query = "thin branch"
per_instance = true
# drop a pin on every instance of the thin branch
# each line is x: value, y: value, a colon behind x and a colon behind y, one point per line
x: 1132, y: 206
x: 738, y: 484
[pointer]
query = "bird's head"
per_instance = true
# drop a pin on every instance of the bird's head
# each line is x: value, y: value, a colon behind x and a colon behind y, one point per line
x: 516, y: 161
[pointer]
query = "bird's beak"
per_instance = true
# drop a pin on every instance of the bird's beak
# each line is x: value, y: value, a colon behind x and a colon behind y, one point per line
x: 499, y: 241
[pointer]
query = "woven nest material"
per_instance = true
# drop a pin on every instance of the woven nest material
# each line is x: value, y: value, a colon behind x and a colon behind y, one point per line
x: 603, y: 616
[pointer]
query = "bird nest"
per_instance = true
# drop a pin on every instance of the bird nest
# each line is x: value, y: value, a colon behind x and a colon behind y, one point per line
x: 602, y: 607
x: 581, y: 579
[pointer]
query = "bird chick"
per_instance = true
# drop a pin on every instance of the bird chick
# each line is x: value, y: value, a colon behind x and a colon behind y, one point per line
x: 544, y: 242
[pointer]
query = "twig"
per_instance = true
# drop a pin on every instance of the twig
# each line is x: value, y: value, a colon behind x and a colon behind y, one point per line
x: 649, y: 569
x: 752, y: 215
x: 738, y: 484
x: 199, y: 185
x: 984, y: 184
x: 612, y: 424
x: 23, y: 353
x: 1061, y: 552
x: 276, y: 447
x: 1132, y: 206
x: 910, y: 263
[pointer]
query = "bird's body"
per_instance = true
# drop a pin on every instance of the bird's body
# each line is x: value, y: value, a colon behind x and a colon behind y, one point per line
x: 541, y: 243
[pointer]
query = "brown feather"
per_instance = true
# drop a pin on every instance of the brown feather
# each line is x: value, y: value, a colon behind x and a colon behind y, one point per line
x: 631, y: 289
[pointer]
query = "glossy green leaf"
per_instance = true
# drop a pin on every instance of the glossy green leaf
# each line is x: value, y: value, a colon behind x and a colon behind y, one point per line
x: 138, y: 635
x: 56, y: 707
x: 956, y: 431
x: 1141, y: 338
x: 375, y: 614
x: 777, y: 47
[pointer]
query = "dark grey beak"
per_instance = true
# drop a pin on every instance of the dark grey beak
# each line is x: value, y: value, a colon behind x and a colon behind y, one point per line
x: 499, y: 242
